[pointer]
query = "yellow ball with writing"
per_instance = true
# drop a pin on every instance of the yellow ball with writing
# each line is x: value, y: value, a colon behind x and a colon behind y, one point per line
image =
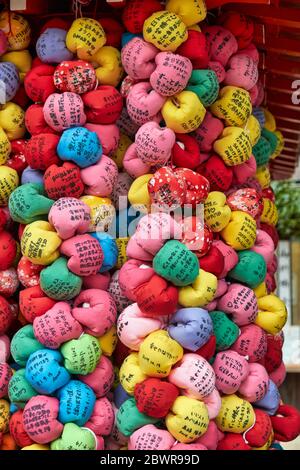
x: 12, y: 120
x: 138, y: 194
x: 109, y: 69
x: 9, y: 181
x: 4, y: 416
x: 165, y: 30
x: 190, y: 11
x: 270, y: 122
x: 233, y: 106
x: 272, y: 314
x: 216, y: 212
x: 240, y: 233
x: 5, y: 147
x: 270, y: 212
x: 108, y: 342
x: 253, y: 129
x: 201, y: 292
x: 85, y: 37
x: 188, y: 419
x: 131, y: 373
x: 40, y: 243
x: 21, y: 59
x: 236, y: 415
x: 122, y: 256
x: 158, y: 353
x: 16, y: 29
x: 102, y: 213
x: 233, y: 146
x: 263, y: 176
x: 119, y: 154
x: 184, y: 112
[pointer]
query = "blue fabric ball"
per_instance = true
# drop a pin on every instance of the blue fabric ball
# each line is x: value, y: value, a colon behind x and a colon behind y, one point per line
x: 76, y: 403
x: 80, y: 146
x: 191, y: 327
x: 9, y: 81
x: 51, y: 46
x: 44, y: 372
x: 109, y: 248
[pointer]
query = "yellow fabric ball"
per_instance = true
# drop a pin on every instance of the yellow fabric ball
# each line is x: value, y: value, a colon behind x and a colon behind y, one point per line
x: 12, y: 120
x: 138, y: 194
x: 240, y: 233
x: 119, y: 154
x: 263, y: 176
x: 102, y: 213
x: 270, y: 212
x: 272, y: 314
x: 165, y: 30
x: 16, y: 29
x: 9, y: 181
x: 21, y: 59
x: 261, y: 290
x: 270, y: 122
x: 184, y: 112
x: 233, y: 105
x: 122, y: 256
x: 108, y: 342
x: 188, y: 419
x: 190, y: 11
x: 36, y: 447
x: 201, y: 292
x: 4, y: 416
x: 194, y: 27
x: 131, y: 373
x: 158, y: 353
x: 109, y: 69
x: 216, y: 212
x: 253, y: 130
x: 233, y: 146
x: 40, y: 243
x: 85, y: 37
x: 5, y: 147
x: 236, y: 415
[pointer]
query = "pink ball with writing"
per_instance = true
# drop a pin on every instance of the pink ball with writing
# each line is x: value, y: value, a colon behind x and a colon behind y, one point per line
x: 189, y: 447
x: 230, y: 369
x: 264, y: 245
x: 4, y: 348
x: 102, y: 419
x: 154, y: 143
x: 69, y: 216
x: 143, y: 103
x: 240, y: 302
x: 255, y: 386
x: 85, y: 254
x: 244, y: 171
x: 132, y: 275
x: 172, y: 73
x: 108, y: 134
x: 101, y: 379
x: 229, y: 254
x: 150, y: 438
x: 5, y: 376
x: 40, y: 419
x: 62, y: 111
x: 209, y: 131
x: 100, y: 179
x: 211, y: 438
x: 132, y: 163
x: 221, y: 43
x: 213, y: 403
x: 138, y: 58
x: 242, y: 72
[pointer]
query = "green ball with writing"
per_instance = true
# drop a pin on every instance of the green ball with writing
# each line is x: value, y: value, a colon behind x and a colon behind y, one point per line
x: 271, y: 138
x: 75, y: 438
x: 23, y: 344
x: 262, y: 151
x: 81, y: 355
x: 129, y: 419
x: 19, y: 389
x: 206, y: 86
x: 176, y: 263
x: 225, y: 330
x: 29, y: 203
x: 251, y: 269
x: 58, y: 282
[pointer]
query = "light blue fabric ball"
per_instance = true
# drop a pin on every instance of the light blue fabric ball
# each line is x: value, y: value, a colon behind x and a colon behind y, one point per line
x: 51, y: 46
x: 80, y: 146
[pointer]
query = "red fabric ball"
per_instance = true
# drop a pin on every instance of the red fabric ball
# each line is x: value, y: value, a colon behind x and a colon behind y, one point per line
x: 247, y: 200
x: 34, y: 303
x: 17, y: 430
x: 8, y: 250
x: 17, y: 159
x: 75, y: 76
x: 186, y: 153
x: 6, y: 316
x: 5, y: 376
x: 28, y: 273
x: 21, y: 97
x: 213, y: 261
x: 157, y: 297
x: 3, y: 219
x: 241, y: 26
x: 259, y: 434
x: 35, y: 122
x: 113, y: 31
x: 218, y: 174
x: 208, y: 349
x: 9, y: 282
x: 271, y: 230
x: 269, y: 194
x: 167, y: 189
x: 155, y: 397
x: 120, y: 353
x: 196, y: 236
x: 271, y: 283
x: 233, y: 442
x: 197, y: 186
x: 56, y: 23
x: 273, y: 357
x: 40, y: 152
x: 104, y: 105
x: 136, y: 12
x: 63, y: 181
x: 286, y: 423
x: 39, y: 83
x: 195, y: 48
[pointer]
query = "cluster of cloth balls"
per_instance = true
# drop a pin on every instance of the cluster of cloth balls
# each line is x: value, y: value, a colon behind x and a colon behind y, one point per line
x: 169, y: 337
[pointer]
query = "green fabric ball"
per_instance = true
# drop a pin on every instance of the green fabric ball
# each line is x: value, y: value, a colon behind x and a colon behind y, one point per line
x: 129, y: 419
x: 206, y: 86
x: 29, y: 203
x: 225, y: 330
x: 75, y: 438
x: 23, y: 344
x: 251, y: 269
x: 262, y: 151
x: 19, y: 389
x: 81, y: 355
x: 271, y: 138
x: 58, y: 282
x: 176, y: 263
